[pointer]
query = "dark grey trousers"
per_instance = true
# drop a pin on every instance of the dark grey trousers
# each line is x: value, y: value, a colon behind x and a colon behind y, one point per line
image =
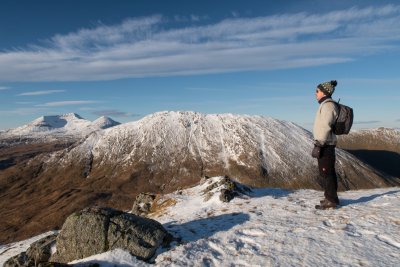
x: 326, y: 166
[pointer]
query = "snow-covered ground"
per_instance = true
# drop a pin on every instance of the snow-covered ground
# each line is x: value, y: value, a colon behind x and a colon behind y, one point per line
x: 270, y: 227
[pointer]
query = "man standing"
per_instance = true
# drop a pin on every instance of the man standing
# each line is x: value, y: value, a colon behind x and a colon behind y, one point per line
x: 325, y: 143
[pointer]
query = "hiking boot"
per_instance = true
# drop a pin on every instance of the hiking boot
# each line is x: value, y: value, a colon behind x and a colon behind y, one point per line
x: 325, y: 200
x: 326, y: 204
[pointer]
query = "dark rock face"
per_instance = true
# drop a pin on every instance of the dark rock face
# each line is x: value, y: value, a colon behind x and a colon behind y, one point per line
x: 96, y: 230
x: 226, y: 195
x: 39, y: 253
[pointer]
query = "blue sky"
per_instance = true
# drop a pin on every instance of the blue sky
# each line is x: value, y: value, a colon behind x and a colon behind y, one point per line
x: 128, y: 59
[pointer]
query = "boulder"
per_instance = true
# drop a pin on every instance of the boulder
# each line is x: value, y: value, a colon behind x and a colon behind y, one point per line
x: 38, y: 254
x: 96, y: 230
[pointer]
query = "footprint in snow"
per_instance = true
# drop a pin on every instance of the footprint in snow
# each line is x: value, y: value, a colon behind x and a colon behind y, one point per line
x: 328, y: 224
x: 388, y: 241
x: 351, y: 230
x: 251, y: 233
x: 216, y: 250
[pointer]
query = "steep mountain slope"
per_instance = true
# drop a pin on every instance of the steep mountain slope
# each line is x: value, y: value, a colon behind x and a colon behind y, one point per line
x: 378, y: 147
x: 161, y: 153
x: 372, y: 139
x: 182, y: 146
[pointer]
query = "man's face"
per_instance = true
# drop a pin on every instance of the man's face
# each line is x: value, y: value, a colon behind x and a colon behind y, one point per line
x: 319, y: 94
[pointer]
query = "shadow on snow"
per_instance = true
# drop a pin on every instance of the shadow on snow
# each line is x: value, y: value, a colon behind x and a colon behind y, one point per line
x: 205, y: 227
x: 346, y: 202
x: 272, y: 192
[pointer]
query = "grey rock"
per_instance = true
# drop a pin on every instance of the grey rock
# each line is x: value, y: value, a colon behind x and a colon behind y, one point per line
x: 40, y: 251
x: 38, y: 254
x: 21, y: 259
x: 96, y: 230
x: 140, y: 236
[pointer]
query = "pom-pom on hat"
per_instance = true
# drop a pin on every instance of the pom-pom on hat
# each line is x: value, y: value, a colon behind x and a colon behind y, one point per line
x: 327, y: 87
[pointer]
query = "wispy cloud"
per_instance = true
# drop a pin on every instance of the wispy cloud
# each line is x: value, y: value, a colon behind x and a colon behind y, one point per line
x: 67, y: 103
x: 4, y: 88
x: 148, y: 46
x: 47, y: 92
x: 366, y: 122
x: 24, y: 103
x: 191, y: 18
x: 114, y: 113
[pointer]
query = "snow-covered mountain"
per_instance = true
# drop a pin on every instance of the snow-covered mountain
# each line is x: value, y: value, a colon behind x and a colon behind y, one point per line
x: 173, y: 148
x: 70, y: 124
x: 379, y: 148
x: 105, y: 122
x: 267, y: 227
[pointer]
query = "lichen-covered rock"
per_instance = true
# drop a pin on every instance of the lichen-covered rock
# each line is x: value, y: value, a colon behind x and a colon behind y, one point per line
x: 96, y: 230
x: 140, y: 236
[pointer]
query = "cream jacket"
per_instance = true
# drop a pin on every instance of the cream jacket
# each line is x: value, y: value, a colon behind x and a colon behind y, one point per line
x: 324, y: 119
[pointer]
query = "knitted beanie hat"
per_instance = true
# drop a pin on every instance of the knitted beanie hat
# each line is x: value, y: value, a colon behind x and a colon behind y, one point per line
x: 327, y: 87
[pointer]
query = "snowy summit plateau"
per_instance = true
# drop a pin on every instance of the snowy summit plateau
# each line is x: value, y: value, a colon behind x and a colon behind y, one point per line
x: 265, y: 227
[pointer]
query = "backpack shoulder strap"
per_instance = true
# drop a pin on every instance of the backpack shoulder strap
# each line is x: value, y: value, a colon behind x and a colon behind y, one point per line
x: 337, y: 105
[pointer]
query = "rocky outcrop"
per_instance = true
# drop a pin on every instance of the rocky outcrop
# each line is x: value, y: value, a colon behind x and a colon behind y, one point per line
x: 38, y: 254
x: 225, y: 187
x: 96, y: 230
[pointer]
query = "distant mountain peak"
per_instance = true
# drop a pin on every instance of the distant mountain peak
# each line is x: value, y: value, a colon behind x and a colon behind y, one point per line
x: 72, y: 115
x: 105, y: 122
x: 69, y: 124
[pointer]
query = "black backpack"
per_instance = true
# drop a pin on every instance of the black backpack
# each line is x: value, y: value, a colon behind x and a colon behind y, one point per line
x: 344, y: 120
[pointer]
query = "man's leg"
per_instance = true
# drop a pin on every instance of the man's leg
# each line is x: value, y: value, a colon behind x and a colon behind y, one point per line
x: 326, y: 165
